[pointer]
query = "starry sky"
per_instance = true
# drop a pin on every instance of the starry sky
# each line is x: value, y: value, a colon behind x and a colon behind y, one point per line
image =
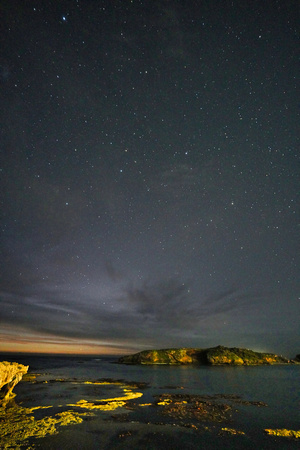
x: 149, y: 175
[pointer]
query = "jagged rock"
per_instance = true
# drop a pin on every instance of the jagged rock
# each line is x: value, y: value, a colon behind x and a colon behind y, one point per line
x: 10, y: 374
x: 212, y: 356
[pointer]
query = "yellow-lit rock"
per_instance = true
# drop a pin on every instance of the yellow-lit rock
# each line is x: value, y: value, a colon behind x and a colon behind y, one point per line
x: 18, y: 424
x: 10, y: 374
x: 232, y: 431
x: 283, y: 432
x: 108, y: 404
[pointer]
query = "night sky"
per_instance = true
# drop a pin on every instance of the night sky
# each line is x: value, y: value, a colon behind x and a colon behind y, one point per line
x: 150, y: 175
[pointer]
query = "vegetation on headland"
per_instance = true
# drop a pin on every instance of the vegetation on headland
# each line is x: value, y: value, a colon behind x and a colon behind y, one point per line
x: 212, y: 356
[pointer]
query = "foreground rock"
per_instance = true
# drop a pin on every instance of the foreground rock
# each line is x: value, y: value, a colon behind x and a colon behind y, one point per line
x: 10, y: 374
x: 212, y: 356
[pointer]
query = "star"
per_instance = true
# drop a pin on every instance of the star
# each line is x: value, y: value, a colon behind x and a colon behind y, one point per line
x: 146, y: 156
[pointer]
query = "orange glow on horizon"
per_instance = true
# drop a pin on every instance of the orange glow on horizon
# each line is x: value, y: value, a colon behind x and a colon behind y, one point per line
x: 65, y: 349
x: 22, y: 341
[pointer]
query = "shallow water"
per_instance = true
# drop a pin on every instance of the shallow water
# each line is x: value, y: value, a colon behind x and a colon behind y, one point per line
x: 61, y: 384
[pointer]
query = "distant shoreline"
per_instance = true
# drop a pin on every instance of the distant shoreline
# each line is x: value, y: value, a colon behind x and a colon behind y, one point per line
x: 214, y: 356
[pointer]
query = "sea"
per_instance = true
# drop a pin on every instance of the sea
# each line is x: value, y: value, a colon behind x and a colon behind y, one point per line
x: 165, y: 407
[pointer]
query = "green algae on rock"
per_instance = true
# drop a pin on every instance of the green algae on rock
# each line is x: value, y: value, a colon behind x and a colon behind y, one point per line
x: 18, y: 424
x: 212, y: 356
x: 195, y: 407
x: 232, y: 431
x: 283, y: 432
x: 108, y: 404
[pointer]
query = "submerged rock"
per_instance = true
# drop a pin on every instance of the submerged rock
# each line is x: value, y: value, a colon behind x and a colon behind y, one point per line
x: 212, y: 356
x: 10, y: 374
x: 231, y: 431
x: 194, y: 407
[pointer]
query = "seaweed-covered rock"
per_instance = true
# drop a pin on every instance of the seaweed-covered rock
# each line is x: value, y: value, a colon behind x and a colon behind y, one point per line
x: 10, y: 374
x: 213, y: 356
x: 283, y: 432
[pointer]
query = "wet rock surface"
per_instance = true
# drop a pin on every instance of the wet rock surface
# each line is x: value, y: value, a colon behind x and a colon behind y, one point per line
x: 198, y: 408
x: 197, y: 412
x: 283, y: 432
x: 121, y: 413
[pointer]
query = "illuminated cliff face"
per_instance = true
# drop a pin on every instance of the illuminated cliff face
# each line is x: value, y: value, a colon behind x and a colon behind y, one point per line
x: 10, y: 374
x: 214, y: 356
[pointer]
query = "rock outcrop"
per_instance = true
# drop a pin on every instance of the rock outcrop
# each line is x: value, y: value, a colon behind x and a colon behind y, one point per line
x: 212, y: 356
x: 242, y: 356
x: 10, y: 374
x: 164, y: 356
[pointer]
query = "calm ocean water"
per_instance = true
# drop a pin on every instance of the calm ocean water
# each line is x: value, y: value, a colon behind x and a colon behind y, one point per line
x: 145, y: 427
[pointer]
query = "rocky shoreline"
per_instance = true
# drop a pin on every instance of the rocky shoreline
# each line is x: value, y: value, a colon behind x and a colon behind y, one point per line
x: 121, y: 404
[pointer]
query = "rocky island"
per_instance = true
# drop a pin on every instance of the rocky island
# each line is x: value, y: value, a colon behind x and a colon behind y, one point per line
x: 210, y: 356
